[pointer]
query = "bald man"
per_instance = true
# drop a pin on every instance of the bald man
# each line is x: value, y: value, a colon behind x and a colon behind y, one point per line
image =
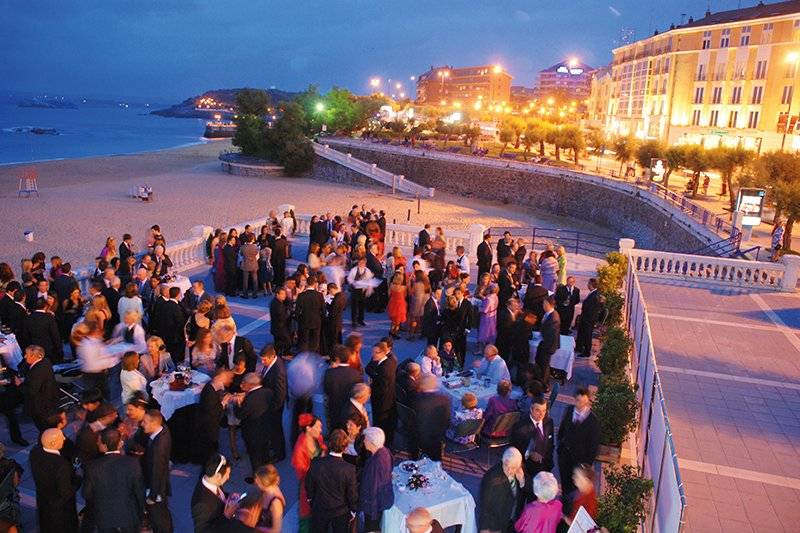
x: 420, y: 521
x: 56, y: 484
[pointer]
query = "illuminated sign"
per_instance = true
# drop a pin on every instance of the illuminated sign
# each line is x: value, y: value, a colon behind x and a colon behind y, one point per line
x: 751, y: 203
x: 657, y: 169
x: 562, y: 69
x: 576, y: 71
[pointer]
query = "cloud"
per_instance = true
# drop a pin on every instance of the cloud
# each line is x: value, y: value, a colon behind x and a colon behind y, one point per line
x: 522, y: 16
x: 614, y: 11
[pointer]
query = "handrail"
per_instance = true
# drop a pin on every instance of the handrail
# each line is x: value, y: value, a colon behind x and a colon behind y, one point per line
x: 578, y: 242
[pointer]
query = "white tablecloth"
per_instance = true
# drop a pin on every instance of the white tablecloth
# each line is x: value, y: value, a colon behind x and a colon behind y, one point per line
x: 10, y: 350
x: 120, y: 348
x: 477, y: 388
x: 182, y: 282
x: 564, y: 356
x: 171, y: 400
x: 448, y: 501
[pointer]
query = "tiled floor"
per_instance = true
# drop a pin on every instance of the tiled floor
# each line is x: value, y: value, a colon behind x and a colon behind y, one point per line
x: 729, y: 361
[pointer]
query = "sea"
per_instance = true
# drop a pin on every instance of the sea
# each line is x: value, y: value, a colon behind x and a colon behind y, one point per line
x: 93, y: 129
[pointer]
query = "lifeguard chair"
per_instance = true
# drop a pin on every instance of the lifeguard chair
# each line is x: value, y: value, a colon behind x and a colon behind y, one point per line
x: 28, y: 183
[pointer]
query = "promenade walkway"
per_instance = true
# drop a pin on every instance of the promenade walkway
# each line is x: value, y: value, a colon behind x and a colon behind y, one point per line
x: 729, y: 361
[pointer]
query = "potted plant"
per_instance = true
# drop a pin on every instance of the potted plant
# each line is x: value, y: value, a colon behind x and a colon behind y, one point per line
x: 616, y: 409
x: 614, y: 354
x: 622, y: 506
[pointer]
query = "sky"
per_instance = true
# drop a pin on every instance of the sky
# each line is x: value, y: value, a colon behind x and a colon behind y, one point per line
x: 172, y: 49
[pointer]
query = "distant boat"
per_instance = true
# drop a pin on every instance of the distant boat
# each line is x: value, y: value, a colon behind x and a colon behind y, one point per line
x: 47, y: 103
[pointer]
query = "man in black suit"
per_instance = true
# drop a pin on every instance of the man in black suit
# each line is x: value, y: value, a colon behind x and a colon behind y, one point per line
x: 505, y: 254
x: 253, y: 411
x: 334, y: 318
x: 112, y: 295
x: 466, y: 316
x: 506, y: 318
x: 309, y: 309
x: 209, y: 502
x: 17, y: 313
x: 432, y: 318
x: 501, y: 492
x: 7, y: 300
x: 534, y: 295
x: 273, y: 378
x: 194, y: 296
x: 171, y: 321
x: 212, y: 407
x: 113, y: 487
x: 41, y: 329
x: 484, y: 255
x: 408, y: 382
x: 65, y: 282
x: 39, y: 387
x: 156, y: 471
x: 280, y: 252
x: 432, y: 409
x: 551, y: 339
x: 356, y: 408
x: 331, y: 486
x: 232, y: 346
x: 338, y: 382
x: 567, y: 297
x: 126, y: 248
x: 86, y: 441
x: 279, y: 321
x: 578, y: 438
x: 229, y: 256
x: 533, y: 436
x: 157, y: 306
x: 382, y: 370
x: 423, y: 239
x: 40, y: 289
x: 318, y: 231
x: 56, y: 484
x: 590, y: 314
x: 507, y: 284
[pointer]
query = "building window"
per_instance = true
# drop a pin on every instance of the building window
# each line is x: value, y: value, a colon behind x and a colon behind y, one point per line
x: 758, y: 92
x: 733, y: 118
x: 725, y: 40
x: 701, y: 72
x: 766, y: 34
x: 696, y: 117
x: 706, y: 40
x: 714, y: 118
x: 788, y: 90
x: 736, y: 95
x: 744, y: 40
x: 716, y: 96
x: 698, y: 95
x: 761, y: 70
x: 752, y: 120
x: 719, y: 73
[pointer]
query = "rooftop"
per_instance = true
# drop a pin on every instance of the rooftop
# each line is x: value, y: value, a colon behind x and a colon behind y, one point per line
x: 761, y: 10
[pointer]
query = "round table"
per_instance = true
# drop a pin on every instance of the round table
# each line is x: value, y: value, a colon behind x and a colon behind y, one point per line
x: 10, y: 350
x: 171, y: 400
x: 182, y: 282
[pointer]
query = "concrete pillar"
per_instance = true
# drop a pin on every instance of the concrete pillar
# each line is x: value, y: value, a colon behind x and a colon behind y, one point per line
x: 792, y: 264
x: 626, y: 245
x: 476, y: 232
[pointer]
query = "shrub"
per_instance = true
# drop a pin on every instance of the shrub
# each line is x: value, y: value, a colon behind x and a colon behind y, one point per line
x: 623, y: 505
x: 297, y: 156
x: 614, y: 355
x: 616, y: 409
x: 613, y: 302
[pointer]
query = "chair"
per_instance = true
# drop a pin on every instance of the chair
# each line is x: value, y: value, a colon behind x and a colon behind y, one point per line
x: 465, y: 428
x: 502, y: 424
x: 28, y: 183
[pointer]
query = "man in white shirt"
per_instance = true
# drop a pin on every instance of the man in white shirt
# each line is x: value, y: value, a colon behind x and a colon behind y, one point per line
x: 95, y: 360
x: 430, y: 363
x: 462, y: 261
x: 492, y: 365
x: 359, y: 288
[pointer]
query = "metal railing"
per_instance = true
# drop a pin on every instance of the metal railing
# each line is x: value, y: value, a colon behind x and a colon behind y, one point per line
x: 577, y: 242
x: 656, y: 455
x: 700, y: 214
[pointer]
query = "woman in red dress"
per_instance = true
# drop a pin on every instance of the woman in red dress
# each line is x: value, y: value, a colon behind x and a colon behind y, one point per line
x: 397, y: 309
x: 309, y: 446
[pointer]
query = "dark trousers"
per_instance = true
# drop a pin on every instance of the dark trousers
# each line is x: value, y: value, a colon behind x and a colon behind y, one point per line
x: 230, y: 282
x: 566, y: 314
x: 543, y: 364
x: 358, y: 301
x: 324, y: 523
x: 432, y: 449
x: 566, y: 464
x: 249, y: 281
x: 257, y: 452
x: 160, y: 518
x: 387, y: 422
x: 583, y: 344
x: 309, y: 339
x: 277, y: 441
x: 97, y: 381
x: 460, y: 346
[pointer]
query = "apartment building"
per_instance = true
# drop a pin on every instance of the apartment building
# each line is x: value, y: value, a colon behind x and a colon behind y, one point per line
x: 727, y: 79
x: 464, y: 85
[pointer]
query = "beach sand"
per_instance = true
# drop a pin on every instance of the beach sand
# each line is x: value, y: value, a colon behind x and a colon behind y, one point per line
x: 82, y: 201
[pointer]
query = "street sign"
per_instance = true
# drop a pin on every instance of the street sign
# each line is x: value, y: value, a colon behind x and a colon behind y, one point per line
x: 750, y: 201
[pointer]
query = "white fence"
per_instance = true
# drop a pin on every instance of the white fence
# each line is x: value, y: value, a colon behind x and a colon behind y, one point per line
x: 655, y: 448
x: 371, y: 170
x: 780, y: 276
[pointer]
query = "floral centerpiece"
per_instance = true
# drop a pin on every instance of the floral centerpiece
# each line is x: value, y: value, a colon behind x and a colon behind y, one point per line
x: 418, y: 481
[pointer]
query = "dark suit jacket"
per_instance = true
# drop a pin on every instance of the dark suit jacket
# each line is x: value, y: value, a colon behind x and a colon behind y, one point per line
x: 318, y: 232
x: 506, y: 287
x: 503, y: 250
x: 255, y: 416
x: 534, y: 297
x: 124, y: 252
x: 63, y: 285
x: 112, y: 296
x: 279, y: 320
x: 466, y: 314
x: 86, y: 444
x: 331, y: 486
x: 336, y: 311
x: 374, y: 265
x: 497, y: 501
x: 191, y: 300
x: 156, y: 465
x: 523, y: 432
x: 162, y: 266
x: 484, y: 256
x: 114, y: 488
x: 6, y: 301
x: 171, y: 319
x: 206, y: 509
x: 384, y: 389
x: 431, y: 318
x: 15, y: 319
x: 590, y: 310
x: 41, y: 328
x: 551, y: 336
x: 433, y: 411
x: 310, y: 308
x: 229, y: 259
x: 565, y: 300
x: 423, y: 238
x: 280, y: 251
x: 275, y: 382
x: 40, y: 391
x: 241, y: 346
x: 209, y: 414
x: 349, y: 411
x: 578, y: 442
x: 56, y: 485
x: 336, y: 385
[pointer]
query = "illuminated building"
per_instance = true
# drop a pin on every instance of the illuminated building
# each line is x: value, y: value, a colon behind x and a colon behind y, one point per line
x: 570, y: 78
x: 464, y: 85
x: 727, y: 79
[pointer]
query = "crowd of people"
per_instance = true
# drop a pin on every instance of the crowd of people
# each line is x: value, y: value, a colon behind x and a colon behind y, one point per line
x: 119, y: 458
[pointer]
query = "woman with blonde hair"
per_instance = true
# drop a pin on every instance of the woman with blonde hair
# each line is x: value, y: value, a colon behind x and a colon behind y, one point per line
x: 469, y: 411
x: 561, y: 258
x: 197, y: 320
x: 420, y: 291
x: 397, y: 308
x: 222, y: 317
x: 156, y: 361
x: 268, y: 481
x: 131, y: 380
x: 203, y: 352
x: 100, y: 309
x: 109, y: 251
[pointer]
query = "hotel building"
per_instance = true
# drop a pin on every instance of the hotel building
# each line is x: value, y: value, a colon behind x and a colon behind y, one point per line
x: 725, y: 79
x: 465, y: 85
x: 570, y: 78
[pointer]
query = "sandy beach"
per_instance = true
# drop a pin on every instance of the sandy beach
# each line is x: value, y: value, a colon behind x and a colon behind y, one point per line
x: 84, y: 200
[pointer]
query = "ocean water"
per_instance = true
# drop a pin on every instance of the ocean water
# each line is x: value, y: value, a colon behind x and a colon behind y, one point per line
x: 90, y: 130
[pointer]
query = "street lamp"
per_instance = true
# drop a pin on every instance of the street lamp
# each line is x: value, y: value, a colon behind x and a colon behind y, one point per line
x: 498, y: 69
x: 319, y: 107
x: 375, y: 82
x: 792, y: 57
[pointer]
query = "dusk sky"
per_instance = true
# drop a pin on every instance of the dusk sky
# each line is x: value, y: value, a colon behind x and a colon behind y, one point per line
x: 171, y: 49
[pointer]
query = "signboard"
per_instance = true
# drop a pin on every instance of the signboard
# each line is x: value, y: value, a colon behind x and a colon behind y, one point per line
x: 658, y: 167
x: 751, y: 203
x: 583, y: 523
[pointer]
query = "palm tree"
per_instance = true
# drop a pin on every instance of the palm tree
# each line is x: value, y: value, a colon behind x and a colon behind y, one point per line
x: 729, y: 161
x: 572, y: 139
x: 536, y: 133
x: 506, y: 136
x: 697, y: 161
x: 554, y: 138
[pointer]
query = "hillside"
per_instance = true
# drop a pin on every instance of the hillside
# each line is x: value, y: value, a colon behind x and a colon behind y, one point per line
x: 222, y: 101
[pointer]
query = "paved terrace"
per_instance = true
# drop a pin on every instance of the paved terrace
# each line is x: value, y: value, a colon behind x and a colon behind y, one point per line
x: 730, y: 369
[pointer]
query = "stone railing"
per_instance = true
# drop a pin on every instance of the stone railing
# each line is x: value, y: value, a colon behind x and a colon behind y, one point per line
x: 371, y: 170
x: 780, y: 276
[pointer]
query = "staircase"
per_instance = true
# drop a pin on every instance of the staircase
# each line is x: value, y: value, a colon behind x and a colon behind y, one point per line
x: 729, y: 247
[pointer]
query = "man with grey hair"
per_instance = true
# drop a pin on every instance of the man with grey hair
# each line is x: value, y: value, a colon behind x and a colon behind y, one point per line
x: 433, y: 417
x: 501, y: 494
x: 253, y: 411
x: 356, y: 407
x: 39, y: 387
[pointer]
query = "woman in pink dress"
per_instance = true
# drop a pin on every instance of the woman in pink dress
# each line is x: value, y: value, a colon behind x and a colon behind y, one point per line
x: 544, y: 514
x: 487, y: 329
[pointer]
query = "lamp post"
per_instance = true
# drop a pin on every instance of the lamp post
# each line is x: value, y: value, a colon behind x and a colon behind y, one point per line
x: 792, y: 57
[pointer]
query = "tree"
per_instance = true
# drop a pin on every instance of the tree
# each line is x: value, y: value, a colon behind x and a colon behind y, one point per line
x: 286, y: 143
x: 251, y: 106
x: 506, y: 136
x: 647, y: 151
x: 554, y: 138
x: 624, y: 149
x: 298, y: 156
x: 676, y: 158
x: 252, y: 102
x: 598, y: 141
x: 443, y: 128
x: 729, y: 162
x: 572, y: 139
x: 781, y: 172
x: 536, y: 132
x: 698, y: 162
